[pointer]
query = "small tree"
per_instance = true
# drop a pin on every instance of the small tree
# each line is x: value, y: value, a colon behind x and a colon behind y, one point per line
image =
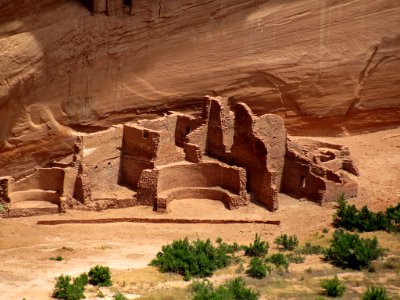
x: 288, y: 242
x: 65, y: 290
x: 258, y: 248
x: 350, y: 251
x: 333, y: 287
x: 257, y: 268
x: 100, y: 275
x: 198, y: 258
x: 279, y: 260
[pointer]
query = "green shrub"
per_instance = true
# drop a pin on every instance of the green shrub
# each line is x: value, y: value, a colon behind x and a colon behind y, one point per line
x: 295, y: 258
x: 350, y: 251
x: 100, y: 275
x: 349, y: 217
x: 258, y: 248
x: 228, y: 248
x: 57, y: 258
x: 232, y: 290
x: 309, y: 249
x: 288, y: 242
x: 119, y: 296
x: 333, y: 287
x: 65, y: 290
x: 279, y: 260
x: 257, y: 268
x: 198, y: 258
x: 375, y: 293
x: 325, y: 230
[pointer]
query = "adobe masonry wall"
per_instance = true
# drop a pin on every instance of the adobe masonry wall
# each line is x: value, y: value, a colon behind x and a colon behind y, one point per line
x: 45, y: 184
x: 317, y: 171
x: 147, y: 147
x: 154, y: 183
x: 101, y: 153
x: 43, y: 179
x: 259, y: 147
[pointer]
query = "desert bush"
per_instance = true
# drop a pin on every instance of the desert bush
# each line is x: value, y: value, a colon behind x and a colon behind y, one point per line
x: 119, y: 296
x: 375, y: 293
x: 232, y: 290
x: 349, y: 217
x: 228, y: 248
x: 198, y: 258
x: 348, y: 250
x: 65, y: 290
x: 257, y: 248
x: 295, y: 258
x: 57, y: 258
x: 309, y: 249
x: 287, y: 242
x: 100, y: 275
x: 257, y: 268
x: 333, y: 287
x: 279, y: 260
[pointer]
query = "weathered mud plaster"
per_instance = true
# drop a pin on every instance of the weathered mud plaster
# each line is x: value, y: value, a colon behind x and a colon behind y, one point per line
x: 226, y: 153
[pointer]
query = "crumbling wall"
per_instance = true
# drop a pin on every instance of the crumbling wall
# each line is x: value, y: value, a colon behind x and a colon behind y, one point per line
x: 251, y: 147
x: 154, y: 183
x: 185, y: 124
x: 83, y: 189
x: 48, y: 179
x: 147, y: 187
x: 101, y: 153
x: 317, y: 171
x: 205, y: 174
x: 216, y: 127
x: 139, y: 151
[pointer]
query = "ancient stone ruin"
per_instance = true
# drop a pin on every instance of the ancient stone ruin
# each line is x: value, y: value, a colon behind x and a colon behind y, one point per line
x: 226, y: 153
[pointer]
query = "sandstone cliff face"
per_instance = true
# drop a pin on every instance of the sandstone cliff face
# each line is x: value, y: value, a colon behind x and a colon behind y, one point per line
x: 327, y: 66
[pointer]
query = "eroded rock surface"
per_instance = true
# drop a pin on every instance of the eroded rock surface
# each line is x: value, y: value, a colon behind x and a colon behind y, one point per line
x: 325, y: 66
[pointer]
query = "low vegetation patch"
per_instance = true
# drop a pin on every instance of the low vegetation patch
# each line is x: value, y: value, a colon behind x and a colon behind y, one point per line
x: 333, y: 287
x: 309, y: 249
x: 375, y: 293
x: 119, y: 296
x: 257, y: 248
x: 295, y: 258
x: 349, y: 217
x: 197, y: 258
x: 68, y: 289
x: 279, y: 260
x: 287, y: 242
x: 258, y: 268
x: 57, y: 258
x: 232, y: 290
x: 100, y: 276
x: 349, y: 250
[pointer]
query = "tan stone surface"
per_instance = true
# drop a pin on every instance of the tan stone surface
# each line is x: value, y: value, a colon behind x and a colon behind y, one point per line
x: 326, y: 66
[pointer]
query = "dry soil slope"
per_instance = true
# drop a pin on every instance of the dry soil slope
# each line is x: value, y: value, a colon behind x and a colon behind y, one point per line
x: 316, y: 62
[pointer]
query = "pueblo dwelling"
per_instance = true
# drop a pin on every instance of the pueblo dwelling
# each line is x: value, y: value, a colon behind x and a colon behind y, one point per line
x: 226, y: 153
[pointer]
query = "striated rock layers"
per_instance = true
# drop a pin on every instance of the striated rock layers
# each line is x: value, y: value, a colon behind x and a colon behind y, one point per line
x: 326, y: 66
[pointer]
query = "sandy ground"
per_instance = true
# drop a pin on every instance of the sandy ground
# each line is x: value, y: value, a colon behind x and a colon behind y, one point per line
x: 25, y: 248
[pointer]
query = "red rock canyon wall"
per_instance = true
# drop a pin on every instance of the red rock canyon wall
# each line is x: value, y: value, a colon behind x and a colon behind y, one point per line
x: 326, y: 66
